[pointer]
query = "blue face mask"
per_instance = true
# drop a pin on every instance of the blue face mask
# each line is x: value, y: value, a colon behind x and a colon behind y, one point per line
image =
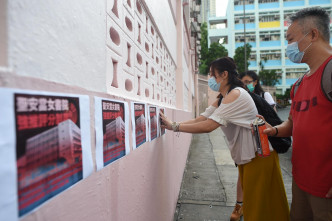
x: 213, y: 84
x: 293, y: 52
x: 251, y: 87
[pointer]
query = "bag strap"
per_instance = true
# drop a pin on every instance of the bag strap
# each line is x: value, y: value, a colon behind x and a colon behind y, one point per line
x: 326, y: 82
x: 297, y: 84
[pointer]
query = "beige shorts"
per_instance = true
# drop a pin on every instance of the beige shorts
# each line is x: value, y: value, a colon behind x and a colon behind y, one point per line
x: 306, y: 207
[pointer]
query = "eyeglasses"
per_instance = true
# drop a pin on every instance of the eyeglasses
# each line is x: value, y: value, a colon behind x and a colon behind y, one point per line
x: 247, y: 82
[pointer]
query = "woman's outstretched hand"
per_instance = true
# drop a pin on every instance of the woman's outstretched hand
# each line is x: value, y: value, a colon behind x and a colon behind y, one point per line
x: 165, y: 123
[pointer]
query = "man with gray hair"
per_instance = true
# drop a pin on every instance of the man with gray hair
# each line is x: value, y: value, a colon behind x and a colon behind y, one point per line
x: 310, y: 117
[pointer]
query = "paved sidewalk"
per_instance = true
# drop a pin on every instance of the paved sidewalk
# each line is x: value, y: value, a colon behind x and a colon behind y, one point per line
x: 208, y: 190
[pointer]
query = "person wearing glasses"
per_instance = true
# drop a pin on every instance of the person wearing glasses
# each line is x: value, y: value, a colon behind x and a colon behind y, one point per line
x: 264, y: 195
x: 251, y: 80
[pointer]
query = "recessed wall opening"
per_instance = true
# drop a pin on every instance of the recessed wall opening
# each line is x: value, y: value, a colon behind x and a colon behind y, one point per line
x: 147, y: 70
x: 115, y: 74
x: 147, y: 93
x: 152, y: 50
x: 152, y: 91
x: 129, y: 51
x: 128, y: 85
x: 139, y: 58
x: 157, y: 60
x: 139, y: 33
x: 158, y: 97
x: 157, y: 78
x: 157, y: 41
x: 139, y: 7
x: 139, y: 85
x: 129, y: 24
x: 129, y: 3
x: 147, y: 47
x: 152, y: 71
x: 147, y: 20
x: 114, y: 35
x: 115, y: 8
x: 152, y: 30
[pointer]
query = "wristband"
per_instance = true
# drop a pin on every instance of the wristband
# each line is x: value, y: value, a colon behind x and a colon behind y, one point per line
x: 276, y: 131
x: 175, y: 126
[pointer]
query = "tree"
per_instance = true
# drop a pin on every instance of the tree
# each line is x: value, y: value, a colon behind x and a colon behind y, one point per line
x: 210, y: 54
x: 239, y: 58
x: 268, y: 77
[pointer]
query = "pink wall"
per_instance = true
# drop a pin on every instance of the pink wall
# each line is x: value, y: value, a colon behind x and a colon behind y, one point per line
x: 144, y: 185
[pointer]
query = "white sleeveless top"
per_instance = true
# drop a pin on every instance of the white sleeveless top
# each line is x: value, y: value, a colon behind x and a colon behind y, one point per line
x: 235, y: 119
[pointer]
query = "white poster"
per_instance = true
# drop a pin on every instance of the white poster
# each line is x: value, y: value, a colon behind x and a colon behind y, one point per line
x: 112, y: 130
x: 44, y: 147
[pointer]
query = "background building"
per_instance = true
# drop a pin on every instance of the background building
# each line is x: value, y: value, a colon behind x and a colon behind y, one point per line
x: 266, y: 24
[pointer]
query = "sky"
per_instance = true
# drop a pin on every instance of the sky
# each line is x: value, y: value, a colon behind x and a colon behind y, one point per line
x: 221, y: 6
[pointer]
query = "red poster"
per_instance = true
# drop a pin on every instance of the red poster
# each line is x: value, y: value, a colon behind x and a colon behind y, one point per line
x: 113, y: 131
x: 140, y: 124
x: 153, y: 122
x: 48, y: 147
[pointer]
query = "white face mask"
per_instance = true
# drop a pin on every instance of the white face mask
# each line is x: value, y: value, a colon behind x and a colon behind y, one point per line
x: 293, y: 52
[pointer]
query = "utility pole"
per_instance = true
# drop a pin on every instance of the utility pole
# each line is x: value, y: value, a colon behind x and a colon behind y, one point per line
x: 245, y: 41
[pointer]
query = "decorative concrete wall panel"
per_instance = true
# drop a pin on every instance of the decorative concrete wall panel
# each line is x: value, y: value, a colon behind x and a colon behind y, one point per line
x: 115, y: 35
x: 115, y: 10
x: 128, y: 53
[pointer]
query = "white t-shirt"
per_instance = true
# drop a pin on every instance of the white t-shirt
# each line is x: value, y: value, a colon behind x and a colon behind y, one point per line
x: 268, y: 97
x: 235, y: 119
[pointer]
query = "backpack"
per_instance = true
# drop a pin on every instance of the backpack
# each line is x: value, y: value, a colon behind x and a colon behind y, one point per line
x: 279, y: 144
x: 326, y: 81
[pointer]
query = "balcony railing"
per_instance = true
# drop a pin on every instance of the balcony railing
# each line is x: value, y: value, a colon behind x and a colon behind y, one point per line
x: 268, y: 5
x: 272, y: 63
x: 252, y: 64
x: 270, y: 43
x: 240, y: 44
x: 247, y: 7
x: 293, y: 3
x: 271, y: 24
x: 319, y: 2
x: 248, y: 26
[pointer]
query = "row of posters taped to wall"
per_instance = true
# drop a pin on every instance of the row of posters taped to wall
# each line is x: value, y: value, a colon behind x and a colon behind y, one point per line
x: 45, y: 144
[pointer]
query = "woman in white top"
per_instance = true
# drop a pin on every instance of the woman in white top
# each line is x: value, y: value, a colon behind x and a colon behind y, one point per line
x: 251, y: 80
x: 264, y: 192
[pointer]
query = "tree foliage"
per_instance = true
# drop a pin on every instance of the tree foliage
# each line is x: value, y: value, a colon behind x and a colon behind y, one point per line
x: 242, y: 65
x: 209, y: 54
x: 268, y: 77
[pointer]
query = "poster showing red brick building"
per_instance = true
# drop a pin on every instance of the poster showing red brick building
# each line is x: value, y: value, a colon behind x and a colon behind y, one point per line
x: 139, y: 123
x: 112, y: 141
x: 48, y: 144
x: 153, y: 122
